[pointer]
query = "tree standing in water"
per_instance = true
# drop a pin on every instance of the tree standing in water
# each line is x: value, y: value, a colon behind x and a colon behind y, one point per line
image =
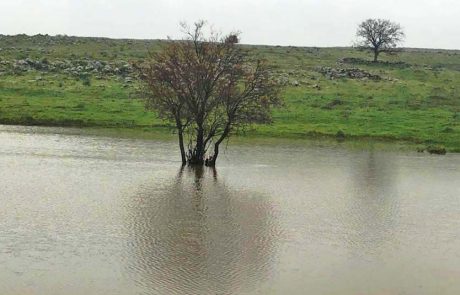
x: 209, y: 88
x: 379, y: 35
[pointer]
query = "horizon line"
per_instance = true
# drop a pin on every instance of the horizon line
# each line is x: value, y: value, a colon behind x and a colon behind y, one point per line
x: 247, y: 44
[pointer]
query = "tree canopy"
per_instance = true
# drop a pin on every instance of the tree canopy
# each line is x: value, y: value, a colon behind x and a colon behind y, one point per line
x: 379, y: 35
x: 210, y: 88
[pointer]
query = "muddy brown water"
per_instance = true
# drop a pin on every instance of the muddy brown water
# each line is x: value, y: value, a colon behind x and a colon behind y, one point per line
x: 90, y: 215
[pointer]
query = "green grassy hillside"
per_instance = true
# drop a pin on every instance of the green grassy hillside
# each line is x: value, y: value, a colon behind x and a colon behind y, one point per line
x: 67, y: 81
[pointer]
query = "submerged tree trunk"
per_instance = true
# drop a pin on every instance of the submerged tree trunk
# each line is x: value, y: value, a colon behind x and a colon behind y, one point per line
x: 182, y: 148
x: 180, y: 132
x: 212, y: 160
x: 196, y: 155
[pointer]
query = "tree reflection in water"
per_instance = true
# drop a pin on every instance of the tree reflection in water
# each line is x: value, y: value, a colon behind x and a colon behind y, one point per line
x: 373, y: 204
x: 195, y: 235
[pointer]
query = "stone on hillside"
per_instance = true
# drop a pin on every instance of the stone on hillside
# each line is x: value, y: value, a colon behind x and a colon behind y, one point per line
x: 359, y: 61
x: 353, y: 73
x: 107, y: 69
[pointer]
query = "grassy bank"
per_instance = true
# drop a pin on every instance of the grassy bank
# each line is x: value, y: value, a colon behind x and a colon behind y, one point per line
x: 415, y: 97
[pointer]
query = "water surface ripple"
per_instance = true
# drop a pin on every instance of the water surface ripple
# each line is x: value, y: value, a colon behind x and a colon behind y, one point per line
x: 90, y: 215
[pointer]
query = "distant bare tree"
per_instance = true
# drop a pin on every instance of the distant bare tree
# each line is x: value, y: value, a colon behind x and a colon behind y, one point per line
x: 209, y: 88
x: 379, y: 35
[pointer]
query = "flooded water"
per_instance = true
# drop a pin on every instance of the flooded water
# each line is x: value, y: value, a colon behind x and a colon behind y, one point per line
x: 97, y: 215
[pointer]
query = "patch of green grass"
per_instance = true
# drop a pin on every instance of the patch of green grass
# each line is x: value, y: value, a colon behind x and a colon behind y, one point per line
x: 71, y: 105
x: 419, y: 103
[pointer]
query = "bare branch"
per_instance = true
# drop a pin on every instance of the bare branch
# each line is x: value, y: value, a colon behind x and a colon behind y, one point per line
x: 379, y: 35
x: 208, y: 88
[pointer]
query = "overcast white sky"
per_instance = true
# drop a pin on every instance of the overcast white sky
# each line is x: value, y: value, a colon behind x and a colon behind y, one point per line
x: 427, y: 23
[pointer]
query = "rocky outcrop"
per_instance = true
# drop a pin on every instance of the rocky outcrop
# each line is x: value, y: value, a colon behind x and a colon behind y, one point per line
x: 294, y: 77
x: 354, y: 73
x: 68, y: 66
x: 360, y: 61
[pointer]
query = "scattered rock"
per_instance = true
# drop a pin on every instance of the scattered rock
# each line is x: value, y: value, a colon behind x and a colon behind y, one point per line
x: 436, y: 149
x: 332, y: 104
x: 354, y: 73
x: 72, y: 67
x: 360, y: 61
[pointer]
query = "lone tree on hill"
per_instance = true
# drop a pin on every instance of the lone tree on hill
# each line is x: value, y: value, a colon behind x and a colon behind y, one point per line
x: 209, y: 88
x: 379, y: 35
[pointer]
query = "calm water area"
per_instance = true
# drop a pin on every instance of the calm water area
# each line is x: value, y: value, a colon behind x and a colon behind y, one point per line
x: 84, y: 215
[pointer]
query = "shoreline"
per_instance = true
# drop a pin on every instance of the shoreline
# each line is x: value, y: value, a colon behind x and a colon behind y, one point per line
x: 250, y: 137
